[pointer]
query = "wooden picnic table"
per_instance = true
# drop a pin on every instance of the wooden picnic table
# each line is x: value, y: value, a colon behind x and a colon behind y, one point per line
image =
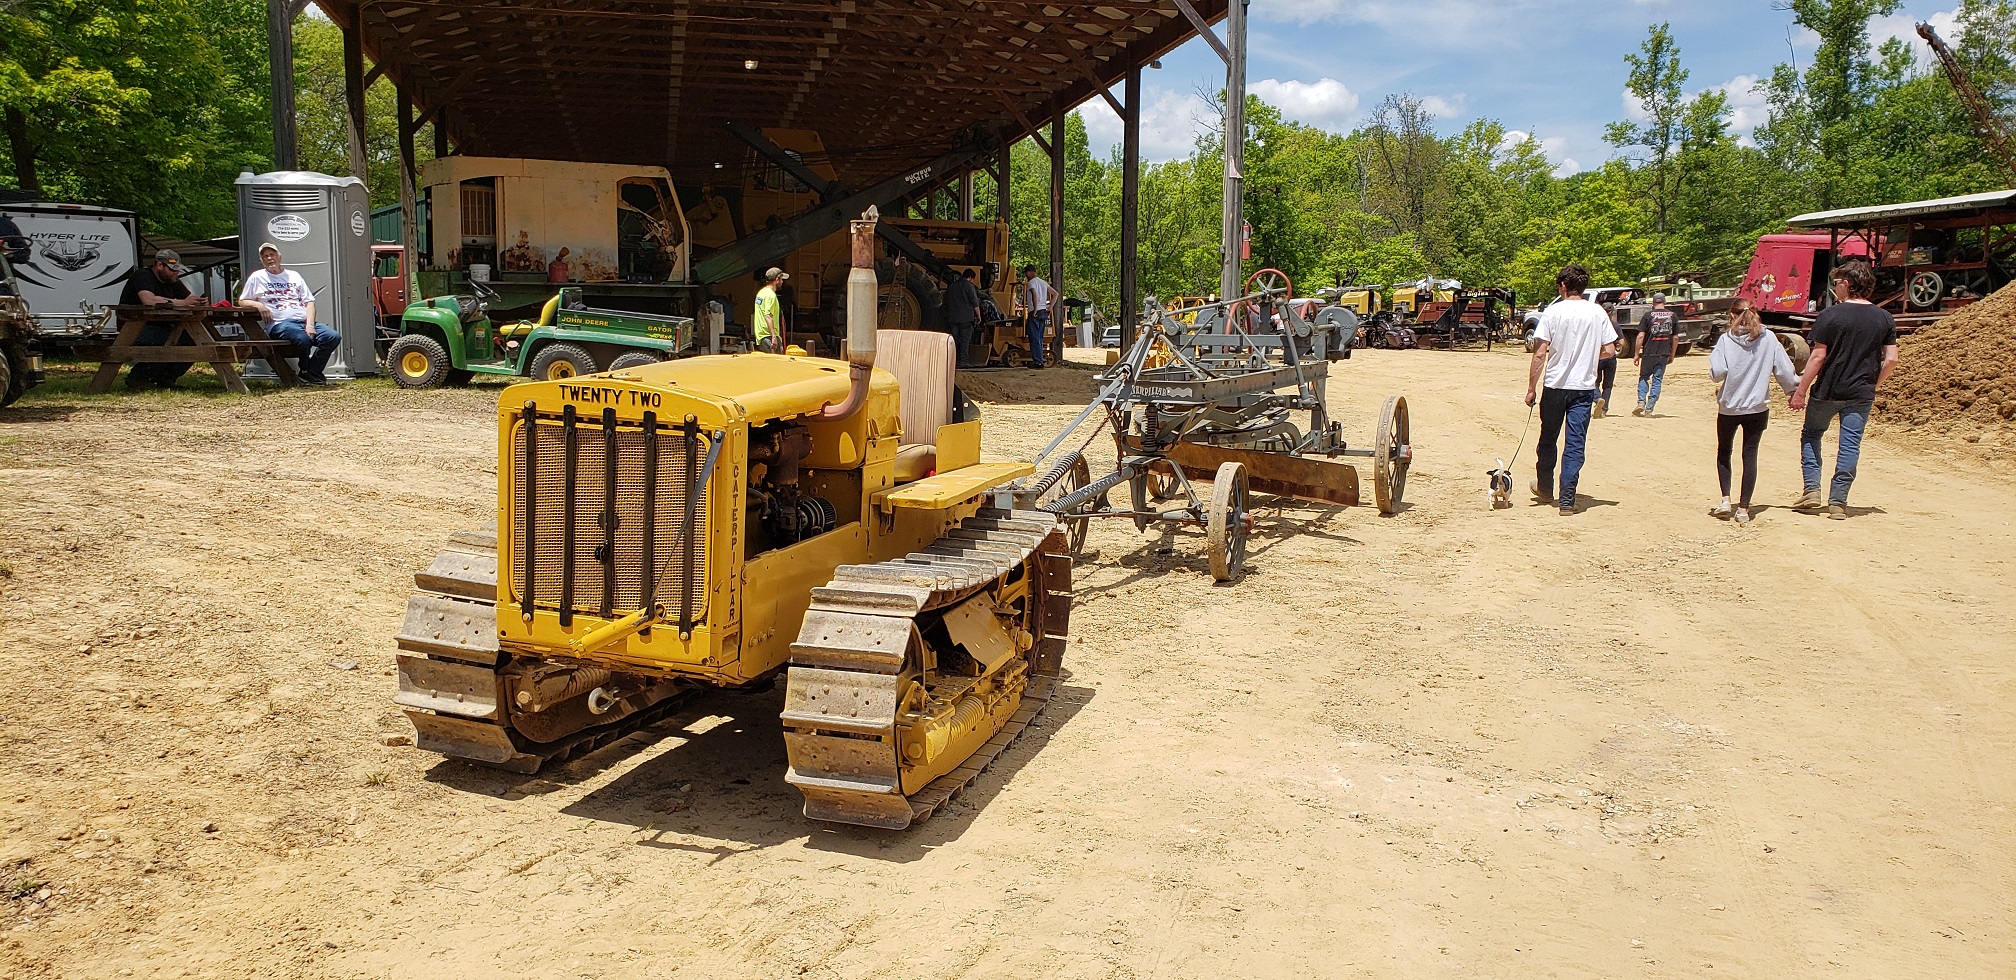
x: 194, y: 338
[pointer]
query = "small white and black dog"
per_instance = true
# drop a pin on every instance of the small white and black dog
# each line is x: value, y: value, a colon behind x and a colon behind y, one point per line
x: 1501, y: 486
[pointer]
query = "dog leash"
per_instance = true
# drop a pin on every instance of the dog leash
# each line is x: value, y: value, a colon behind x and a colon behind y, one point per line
x: 1514, y: 461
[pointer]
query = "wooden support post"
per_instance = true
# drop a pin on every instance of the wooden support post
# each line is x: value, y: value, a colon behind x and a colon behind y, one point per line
x: 280, y: 76
x: 353, y: 99
x: 1002, y: 162
x: 966, y: 196
x: 1231, y: 277
x: 409, y: 225
x: 1057, y: 234
x: 1130, y: 207
x: 441, y: 134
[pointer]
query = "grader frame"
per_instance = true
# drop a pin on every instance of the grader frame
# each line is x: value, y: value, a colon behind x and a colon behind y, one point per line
x: 1213, y: 399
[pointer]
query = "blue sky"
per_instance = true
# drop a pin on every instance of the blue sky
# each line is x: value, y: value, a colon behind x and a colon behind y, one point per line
x: 1555, y: 70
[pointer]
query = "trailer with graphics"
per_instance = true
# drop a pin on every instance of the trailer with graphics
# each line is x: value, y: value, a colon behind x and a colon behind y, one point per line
x: 78, y: 260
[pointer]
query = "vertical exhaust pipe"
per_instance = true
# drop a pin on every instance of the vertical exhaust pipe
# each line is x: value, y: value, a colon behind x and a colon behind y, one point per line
x: 862, y: 316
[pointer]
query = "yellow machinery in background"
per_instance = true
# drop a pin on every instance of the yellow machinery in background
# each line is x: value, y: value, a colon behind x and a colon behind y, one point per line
x: 719, y: 521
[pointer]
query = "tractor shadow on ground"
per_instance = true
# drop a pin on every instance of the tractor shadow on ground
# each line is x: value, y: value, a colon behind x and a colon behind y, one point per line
x: 711, y: 780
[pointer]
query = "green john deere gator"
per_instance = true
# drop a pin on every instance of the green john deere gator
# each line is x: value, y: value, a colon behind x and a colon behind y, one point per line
x: 449, y: 339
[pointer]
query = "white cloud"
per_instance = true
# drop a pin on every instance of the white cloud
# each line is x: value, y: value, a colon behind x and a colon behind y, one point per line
x: 1444, y: 108
x: 1170, y: 123
x: 1554, y: 147
x: 1325, y: 103
x: 1748, y: 105
x: 1904, y: 27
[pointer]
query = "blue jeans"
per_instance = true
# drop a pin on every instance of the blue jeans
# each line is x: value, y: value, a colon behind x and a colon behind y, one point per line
x: 1854, y: 417
x: 1559, y: 408
x: 1606, y: 379
x: 1649, y: 376
x: 313, y: 351
x: 1039, y: 333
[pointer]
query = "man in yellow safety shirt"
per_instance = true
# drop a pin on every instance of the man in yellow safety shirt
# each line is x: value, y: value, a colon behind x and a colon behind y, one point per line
x: 768, y: 322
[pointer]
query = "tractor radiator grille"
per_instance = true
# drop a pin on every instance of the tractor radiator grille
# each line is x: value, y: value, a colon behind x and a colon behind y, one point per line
x: 570, y: 477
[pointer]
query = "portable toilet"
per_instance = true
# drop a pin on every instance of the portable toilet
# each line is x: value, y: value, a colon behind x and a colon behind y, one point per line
x: 322, y: 226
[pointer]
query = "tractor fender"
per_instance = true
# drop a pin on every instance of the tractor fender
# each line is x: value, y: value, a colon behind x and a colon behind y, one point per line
x: 604, y: 344
x: 443, y: 323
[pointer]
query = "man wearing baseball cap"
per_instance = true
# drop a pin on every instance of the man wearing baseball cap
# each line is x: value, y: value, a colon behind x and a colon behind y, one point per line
x: 768, y: 322
x: 285, y: 302
x: 160, y: 284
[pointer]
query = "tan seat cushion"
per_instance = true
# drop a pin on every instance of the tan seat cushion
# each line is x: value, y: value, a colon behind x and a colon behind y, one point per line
x: 923, y: 362
x: 914, y: 463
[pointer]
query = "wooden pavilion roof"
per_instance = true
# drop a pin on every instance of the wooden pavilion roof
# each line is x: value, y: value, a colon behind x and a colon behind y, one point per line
x: 886, y: 83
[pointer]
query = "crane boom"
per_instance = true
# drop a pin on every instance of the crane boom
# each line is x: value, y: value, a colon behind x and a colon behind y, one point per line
x: 1992, y: 132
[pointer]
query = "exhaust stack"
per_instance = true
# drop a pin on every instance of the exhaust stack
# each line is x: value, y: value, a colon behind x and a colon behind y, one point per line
x: 862, y: 315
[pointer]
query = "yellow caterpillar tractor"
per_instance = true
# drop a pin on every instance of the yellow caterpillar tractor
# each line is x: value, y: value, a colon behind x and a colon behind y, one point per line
x: 721, y: 521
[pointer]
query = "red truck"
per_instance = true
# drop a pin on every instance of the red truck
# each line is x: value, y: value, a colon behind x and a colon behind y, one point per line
x: 1932, y: 257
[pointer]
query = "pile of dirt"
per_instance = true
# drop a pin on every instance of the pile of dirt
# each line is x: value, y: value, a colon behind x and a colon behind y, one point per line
x: 1957, y: 377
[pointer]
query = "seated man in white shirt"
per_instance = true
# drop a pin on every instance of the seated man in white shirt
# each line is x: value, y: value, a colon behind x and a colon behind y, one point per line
x: 285, y: 302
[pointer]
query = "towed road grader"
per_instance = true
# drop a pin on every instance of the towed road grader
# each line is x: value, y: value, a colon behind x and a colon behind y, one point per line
x: 726, y: 521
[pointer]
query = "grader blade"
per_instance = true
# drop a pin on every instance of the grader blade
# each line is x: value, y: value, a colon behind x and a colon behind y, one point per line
x: 1303, y: 477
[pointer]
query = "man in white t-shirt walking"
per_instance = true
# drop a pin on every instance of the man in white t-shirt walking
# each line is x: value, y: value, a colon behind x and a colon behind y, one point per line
x: 285, y: 302
x: 1039, y: 315
x: 1573, y: 335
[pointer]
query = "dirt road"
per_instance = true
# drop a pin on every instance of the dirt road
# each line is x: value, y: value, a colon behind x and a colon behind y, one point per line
x: 1632, y: 742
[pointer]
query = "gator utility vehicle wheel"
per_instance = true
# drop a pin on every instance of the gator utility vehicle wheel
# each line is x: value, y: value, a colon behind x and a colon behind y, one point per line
x: 418, y: 361
x: 632, y: 359
x: 1391, y: 452
x: 1227, y: 521
x: 7, y: 392
x: 557, y: 362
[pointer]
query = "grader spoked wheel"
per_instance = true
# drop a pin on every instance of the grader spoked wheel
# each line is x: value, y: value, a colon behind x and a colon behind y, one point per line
x: 1391, y: 453
x: 1074, y: 479
x: 1228, y: 522
x: 1162, y: 482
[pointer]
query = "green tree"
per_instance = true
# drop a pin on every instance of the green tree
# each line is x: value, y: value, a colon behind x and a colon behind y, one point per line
x: 131, y: 104
x: 322, y: 122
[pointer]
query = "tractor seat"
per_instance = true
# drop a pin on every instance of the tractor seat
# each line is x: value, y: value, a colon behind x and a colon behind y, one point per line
x: 916, y: 462
x: 924, y: 363
x: 515, y: 331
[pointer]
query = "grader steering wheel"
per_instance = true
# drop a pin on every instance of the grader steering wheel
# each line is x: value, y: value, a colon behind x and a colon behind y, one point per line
x: 1270, y: 281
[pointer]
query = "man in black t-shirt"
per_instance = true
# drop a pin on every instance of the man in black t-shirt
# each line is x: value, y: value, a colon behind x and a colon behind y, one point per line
x: 158, y: 284
x: 1854, y: 349
x: 962, y: 311
x: 1655, y: 350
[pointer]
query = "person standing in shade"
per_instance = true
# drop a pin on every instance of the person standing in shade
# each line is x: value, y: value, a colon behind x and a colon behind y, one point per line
x: 1657, y: 332
x: 160, y: 284
x: 962, y: 311
x: 767, y: 322
x: 285, y: 302
x: 1573, y: 335
x: 1039, y: 315
x: 1745, y: 361
x: 1854, y: 350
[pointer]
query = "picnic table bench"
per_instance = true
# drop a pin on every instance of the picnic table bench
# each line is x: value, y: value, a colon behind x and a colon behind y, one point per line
x: 199, y: 335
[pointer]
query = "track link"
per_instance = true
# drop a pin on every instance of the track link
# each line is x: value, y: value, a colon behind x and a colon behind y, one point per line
x: 452, y: 682
x: 859, y: 662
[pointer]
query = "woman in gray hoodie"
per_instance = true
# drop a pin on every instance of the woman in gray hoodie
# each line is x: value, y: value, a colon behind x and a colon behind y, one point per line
x: 1745, y: 361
